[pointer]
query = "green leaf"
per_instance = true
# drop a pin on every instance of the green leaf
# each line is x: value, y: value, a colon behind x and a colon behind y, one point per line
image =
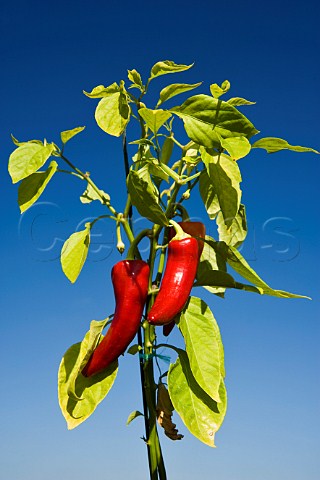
x: 175, y: 89
x: 134, y: 415
x: 237, y: 147
x: 143, y: 141
x: 198, y: 327
x: 68, y: 134
x: 79, y: 396
x: 113, y: 114
x: 236, y: 233
x: 33, y: 186
x: 27, y: 159
x: 158, y: 172
x: 92, y: 339
x: 225, y: 177
x: 205, y: 118
x: 209, y: 195
x: 272, y: 145
x: 19, y: 144
x: 143, y: 197
x: 238, y: 101
x: 200, y: 414
x: 144, y: 174
x: 241, y: 266
x: 101, y: 91
x: 90, y: 194
x: 135, y: 78
x: 216, y: 278
x: 74, y: 253
x: 217, y: 91
x: 210, y: 262
x: 154, y: 118
x: 134, y: 349
x: 166, y: 150
x: 167, y: 66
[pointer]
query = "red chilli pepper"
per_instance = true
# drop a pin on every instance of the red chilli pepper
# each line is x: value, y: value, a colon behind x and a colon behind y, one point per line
x: 130, y: 283
x: 195, y: 229
x: 177, y: 282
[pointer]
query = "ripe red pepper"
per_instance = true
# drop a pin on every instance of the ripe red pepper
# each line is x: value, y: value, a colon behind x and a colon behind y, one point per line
x: 130, y: 283
x: 178, y: 278
x: 195, y: 229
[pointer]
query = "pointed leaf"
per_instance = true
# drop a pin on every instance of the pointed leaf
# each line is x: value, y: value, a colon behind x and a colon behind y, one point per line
x: 68, y: 134
x: 198, y: 327
x: 237, y: 147
x: 241, y: 266
x: 101, y: 91
x: 209, y: 195
x: 236, y: 233
x: 200, y: 414
x: 225, y: 177
x: 217, y: 91
x: 215, y: 278
x: 144, y: 199
x: 166, y: 150
x: 19, y: 144
x: 167, y: 66
x: 210, y: 261
x: 175, y: 89
x: 158, y: 172
x: 27, y: 159
x: 74, y: 253
x: 135, y: 78
x: 92, y: 339
x: 154, y: 118
x: 90, y: 194
x: 133, y: 415
x: 238, y: 101
x: 205, y: 118
x: 143, y: 141
x: 79, y: 396
x: 272, y: 145
x: 144, y: 174
x: 113, y: 114
x: 33, y: 186
x: 134, y: 349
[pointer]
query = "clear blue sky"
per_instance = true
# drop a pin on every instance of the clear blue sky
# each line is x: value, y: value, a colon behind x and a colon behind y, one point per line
x: 50, y: 52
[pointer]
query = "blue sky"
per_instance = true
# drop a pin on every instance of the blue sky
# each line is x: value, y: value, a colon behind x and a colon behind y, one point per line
x: 269, y: 52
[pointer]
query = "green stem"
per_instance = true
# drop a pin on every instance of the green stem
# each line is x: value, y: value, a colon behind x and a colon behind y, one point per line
x: 60, y: 170
x: 186, y: 180
x: 126, y: 223
x: 157, y: 464
x: 177, y: 143
x: 128, y: 209
x: 190, y: 188
x: 132, y: 252
x: 85, y: 176
x: 183, y: 212
x: 102, y: 216
x: 162, y: 257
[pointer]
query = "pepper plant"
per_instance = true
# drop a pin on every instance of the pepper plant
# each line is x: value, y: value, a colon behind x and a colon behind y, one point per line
x: 152, y: 292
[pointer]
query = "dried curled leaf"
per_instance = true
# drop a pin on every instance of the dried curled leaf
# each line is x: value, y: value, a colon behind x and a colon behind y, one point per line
x: 164, y: 413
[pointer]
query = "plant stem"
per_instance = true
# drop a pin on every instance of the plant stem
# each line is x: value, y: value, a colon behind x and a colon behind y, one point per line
x: 128, y: 209
x: 150, y: 433
x: 86, y: 177
x: 157, y: 464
